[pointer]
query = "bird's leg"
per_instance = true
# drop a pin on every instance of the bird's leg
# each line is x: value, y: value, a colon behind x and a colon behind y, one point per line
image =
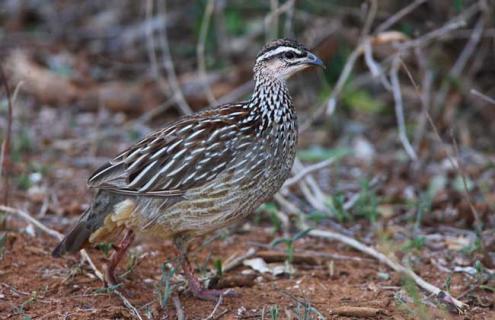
x: 195, y: 285
x: 117, y: 255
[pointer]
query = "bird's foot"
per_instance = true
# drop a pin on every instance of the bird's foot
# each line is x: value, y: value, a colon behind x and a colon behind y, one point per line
x: 117, y: 255
x: 199, y: 291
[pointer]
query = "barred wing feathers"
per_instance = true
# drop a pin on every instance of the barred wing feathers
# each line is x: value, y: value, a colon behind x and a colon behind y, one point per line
x: 182, y: 156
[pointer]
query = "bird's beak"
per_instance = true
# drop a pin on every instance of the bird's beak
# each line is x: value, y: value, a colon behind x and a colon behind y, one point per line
x: 312, y: 59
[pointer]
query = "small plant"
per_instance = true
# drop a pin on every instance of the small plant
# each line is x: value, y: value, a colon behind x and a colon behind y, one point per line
x: 21, y: 309
x: 336, y: 205
x: 3, y: 240
x: 304, y: 311
x: 274, y: 312
x: 289, y: 242
x: 105, y: 247
x: 164, y: 287
x: 217, y: 263
x: 367, y: 202
x: 272, y: 210
x: 416, y: 243
x: 107, y: 290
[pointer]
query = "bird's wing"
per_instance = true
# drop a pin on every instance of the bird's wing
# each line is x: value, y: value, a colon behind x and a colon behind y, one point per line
x: 185, y: 155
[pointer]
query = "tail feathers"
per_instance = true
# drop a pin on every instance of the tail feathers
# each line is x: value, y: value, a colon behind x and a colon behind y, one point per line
x: 74, y: 240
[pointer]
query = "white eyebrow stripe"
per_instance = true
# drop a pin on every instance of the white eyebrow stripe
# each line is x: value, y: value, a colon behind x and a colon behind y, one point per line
x: 272, y: 53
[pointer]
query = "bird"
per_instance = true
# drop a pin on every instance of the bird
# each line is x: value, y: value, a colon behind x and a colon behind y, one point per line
x: 201, y: 173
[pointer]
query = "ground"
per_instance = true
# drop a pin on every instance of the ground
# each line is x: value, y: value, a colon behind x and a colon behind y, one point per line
x: 52, y: 288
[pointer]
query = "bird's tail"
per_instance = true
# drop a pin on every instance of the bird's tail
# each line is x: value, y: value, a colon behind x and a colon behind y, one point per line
x: 76, y: 238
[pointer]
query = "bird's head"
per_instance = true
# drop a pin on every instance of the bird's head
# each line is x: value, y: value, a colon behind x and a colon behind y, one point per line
x: 283, y: 57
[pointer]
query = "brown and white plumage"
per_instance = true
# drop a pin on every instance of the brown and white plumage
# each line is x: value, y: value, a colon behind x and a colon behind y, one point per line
x: 204, y: 171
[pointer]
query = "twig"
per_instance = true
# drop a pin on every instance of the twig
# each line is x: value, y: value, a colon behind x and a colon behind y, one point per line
x: 169, y: 65
x: 275, y: 12
x: 398, y: 15
x: 484, y: 97
x: 128, y: 304
x: 399, y: 108
x: 351, y: 61
x: 237, y: 261
x: 5, y: 152
x: 178, y: 308
x: 200, y: 50
x: 425, y: 96
x: 461, y: 62
x: 476, y: 215
x: 272, y: 32
x: 27, y: 217
x: 311, y: 190
x: 289, y: 28
x: 440, y: 294
x: 57, y: 235
x: 215, y: 309
x: 150, y: 40
x: 307, y: 170
x: 456, y: 165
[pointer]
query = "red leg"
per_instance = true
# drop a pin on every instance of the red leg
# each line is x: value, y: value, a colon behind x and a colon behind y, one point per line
x: 117, y: 255
x: 194, y: 284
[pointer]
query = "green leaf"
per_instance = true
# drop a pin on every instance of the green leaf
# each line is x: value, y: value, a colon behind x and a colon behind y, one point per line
x: 317, y: 153
x: 301, y: 234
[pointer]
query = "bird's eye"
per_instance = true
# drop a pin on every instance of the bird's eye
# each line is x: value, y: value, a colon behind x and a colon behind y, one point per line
x: 289, y: 55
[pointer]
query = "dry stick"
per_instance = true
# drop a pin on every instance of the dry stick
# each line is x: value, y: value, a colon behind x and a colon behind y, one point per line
x: 276, y: 12
x: 289, y: 20
x: 425, y: 96
x: 200, y: 50
x: 351, y: 61
x: 442, y: 295
x: 178, y: 307
x: 455, y: 164
x: 5, y: 153
x: 169, y: 65
x: 57, y: 235
x: 307, y: 170
x: 483, y: 96
x: 237, y: 261
x: 150, y: 40
x: 462, y: 171
x: 461, y: 62
x: 398, y: 15
x: 215, y: 309
x: 14, y: 99
x: 399, y: 108
x: 272, y: 32
x: 310, y: 188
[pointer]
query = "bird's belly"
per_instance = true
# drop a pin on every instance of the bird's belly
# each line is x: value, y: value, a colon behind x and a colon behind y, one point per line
x: 206, y: 210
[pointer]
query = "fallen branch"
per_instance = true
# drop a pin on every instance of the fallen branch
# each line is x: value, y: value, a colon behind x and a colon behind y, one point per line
x: 362, y: 312
x: 276, y: 256
x: 440, y: 294
x: 57, y: 235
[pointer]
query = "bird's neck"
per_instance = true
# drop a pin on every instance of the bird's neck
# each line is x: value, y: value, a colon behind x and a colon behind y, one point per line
x: 271, y: 97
